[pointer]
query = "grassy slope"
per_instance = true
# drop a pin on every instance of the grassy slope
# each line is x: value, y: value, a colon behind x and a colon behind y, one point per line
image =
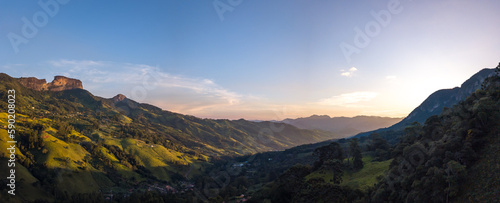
x: 362, y: 179
x: 77, y: 176
x: 67, y: 158
x: 25, y: 191
x: 367, y: 176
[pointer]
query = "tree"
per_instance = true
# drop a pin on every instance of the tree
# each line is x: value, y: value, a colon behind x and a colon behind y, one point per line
x: 355, y: 151
x: 331, y: 159
x: 64, y: 130
x: 336, y: 167
x: 455, y: 172
x: 289, y: 183
x: 329, y: 152
x: 497, y: 69
x: 380, y: 146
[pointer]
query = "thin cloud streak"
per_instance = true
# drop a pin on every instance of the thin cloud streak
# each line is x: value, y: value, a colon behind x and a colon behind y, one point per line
x: 348, y: 73
x: 348, y: 99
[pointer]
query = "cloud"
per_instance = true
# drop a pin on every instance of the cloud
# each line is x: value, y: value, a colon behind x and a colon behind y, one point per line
x: 11, y: 66
x: 391, y: 77
x: 348, y: 73
x: 348, y: 99
x: 149, y: 84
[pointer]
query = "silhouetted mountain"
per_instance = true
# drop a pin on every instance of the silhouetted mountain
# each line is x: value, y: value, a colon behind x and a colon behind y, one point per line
x: 343, y: 126
x: 437, y: 101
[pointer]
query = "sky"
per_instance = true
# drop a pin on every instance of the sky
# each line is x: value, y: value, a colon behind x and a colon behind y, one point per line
x: 259, y: 59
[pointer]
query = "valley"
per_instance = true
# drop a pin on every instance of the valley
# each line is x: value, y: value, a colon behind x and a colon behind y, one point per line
x: 72, y: 144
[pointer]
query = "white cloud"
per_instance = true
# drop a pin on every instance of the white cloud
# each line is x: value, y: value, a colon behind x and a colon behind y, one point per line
x: 391, y: 77
x: 348, y: 73
x: 149, y: 84
x: 348, y: 99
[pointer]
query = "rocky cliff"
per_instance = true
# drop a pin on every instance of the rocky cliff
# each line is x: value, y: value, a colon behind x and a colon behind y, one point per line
x: 59, y: 83
x: 119, y: 98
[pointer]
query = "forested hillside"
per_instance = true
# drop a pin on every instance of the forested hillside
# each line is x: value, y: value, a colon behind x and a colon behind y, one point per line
x: 439, y: 158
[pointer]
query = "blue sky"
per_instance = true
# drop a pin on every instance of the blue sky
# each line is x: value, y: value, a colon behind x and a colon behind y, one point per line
x: 255, y: 59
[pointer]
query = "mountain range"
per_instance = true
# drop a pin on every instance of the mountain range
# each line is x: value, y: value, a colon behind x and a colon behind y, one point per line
x: 70, y: 141
x: 342, y: 126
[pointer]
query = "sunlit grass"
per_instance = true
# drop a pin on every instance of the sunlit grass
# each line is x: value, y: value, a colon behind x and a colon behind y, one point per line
x: 367, y: 176
x: 361, y: 179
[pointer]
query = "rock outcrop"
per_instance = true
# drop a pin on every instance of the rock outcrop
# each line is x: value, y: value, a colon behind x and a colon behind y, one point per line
x: 119, y: 98
x: 59, y: 83
x: 33, y: 83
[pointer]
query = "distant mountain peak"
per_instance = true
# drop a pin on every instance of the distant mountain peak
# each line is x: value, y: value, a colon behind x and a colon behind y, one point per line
x: 59, y: 83
x: 319, y: 116
x: 342, y: 126
x: 119, y: 98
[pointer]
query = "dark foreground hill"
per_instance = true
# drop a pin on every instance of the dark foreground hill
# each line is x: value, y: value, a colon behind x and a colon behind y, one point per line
x: 452, y: 157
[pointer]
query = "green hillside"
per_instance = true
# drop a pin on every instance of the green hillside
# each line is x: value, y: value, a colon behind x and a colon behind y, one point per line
x: 72, y: 142
x: 362, y: 179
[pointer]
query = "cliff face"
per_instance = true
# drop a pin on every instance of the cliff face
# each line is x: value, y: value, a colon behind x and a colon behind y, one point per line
x: 59, y: 83
x: 33, y: 83
x: 119, y: 98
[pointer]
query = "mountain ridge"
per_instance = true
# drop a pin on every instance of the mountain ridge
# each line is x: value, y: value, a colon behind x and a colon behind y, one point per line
x: 60, y: 83
x: 437, y: 101
x: 71, y: 89
x: 72, y: 136
x: 344, y: 126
